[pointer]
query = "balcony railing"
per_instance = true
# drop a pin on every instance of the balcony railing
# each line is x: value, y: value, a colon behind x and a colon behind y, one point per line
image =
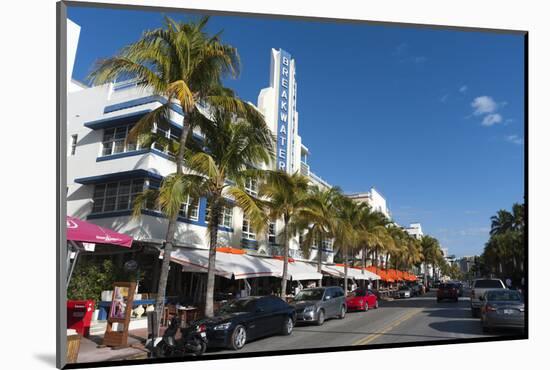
x: 304, y: 169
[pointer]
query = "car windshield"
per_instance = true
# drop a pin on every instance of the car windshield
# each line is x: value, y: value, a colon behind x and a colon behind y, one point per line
x: 404, y: 288
x: 358, y: 293
x: 488, y: 284
x: 309, y: 295
x: 240, y: 305
x: 505, y: 295
x: 446, y: 286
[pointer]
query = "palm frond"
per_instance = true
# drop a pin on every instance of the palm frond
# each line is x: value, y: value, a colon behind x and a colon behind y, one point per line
x: 252, y: 207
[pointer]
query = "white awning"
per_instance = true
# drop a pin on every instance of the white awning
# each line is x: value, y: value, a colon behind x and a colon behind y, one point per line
x: 354, y: 273
x: 228, y: 265
x: 242, y: 266
x: 302, y: 271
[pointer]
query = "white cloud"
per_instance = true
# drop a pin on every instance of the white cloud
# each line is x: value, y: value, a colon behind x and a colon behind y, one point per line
x: 420, y: 59
x: 483, y: 105
x: 491, y: 119
x: 463, y: 89
x: 444, y: 98
x: 400, y: 49
x: 515, y: 139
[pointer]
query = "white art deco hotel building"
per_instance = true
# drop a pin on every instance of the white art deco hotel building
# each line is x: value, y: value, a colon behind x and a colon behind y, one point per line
x: 105, y: 171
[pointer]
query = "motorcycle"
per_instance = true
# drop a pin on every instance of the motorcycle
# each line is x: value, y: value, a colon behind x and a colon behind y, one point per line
x: 191, y: 343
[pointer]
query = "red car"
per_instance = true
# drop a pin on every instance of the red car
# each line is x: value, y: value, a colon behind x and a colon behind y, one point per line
x: 361, y: 299
x: 447, y: 291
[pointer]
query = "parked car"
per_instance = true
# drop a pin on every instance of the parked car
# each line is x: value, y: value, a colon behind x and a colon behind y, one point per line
x: 502, y: 308
x: 246, y: 319
x: 318, y: 304
x: 479, y: 287
x: 447, y: 291
x: 416, y: 289
x: 361, y: 299
x: 404, y: 292
x: 460, y: 288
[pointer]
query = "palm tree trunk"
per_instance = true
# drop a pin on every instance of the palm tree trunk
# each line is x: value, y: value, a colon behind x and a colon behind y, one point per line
x: 213, y: 229
x: 320, y: 259
x: 165, y: 267
x: 363, y: 265
x: 285, y: 259
x: 172, y: 226
x: 345, y: 270
x: 426, y: 274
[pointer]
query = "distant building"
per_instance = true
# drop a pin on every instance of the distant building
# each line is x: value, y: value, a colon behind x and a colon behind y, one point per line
x: 465, y: 263
x: 415, y: 229
x: 374, y: 199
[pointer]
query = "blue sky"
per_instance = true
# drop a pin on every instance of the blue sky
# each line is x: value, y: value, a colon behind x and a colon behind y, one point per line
x: 432, y: 118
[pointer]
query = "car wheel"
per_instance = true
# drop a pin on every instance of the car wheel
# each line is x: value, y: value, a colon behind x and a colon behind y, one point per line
x: 288, y: 325
x: 366, y: 308
x: 376, y: 304
x: 343, y: 312
x: 238, y: 338
x: 321, y: 318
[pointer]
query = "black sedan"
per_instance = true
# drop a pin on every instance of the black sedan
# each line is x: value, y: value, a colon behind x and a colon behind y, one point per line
x: 250, y: 318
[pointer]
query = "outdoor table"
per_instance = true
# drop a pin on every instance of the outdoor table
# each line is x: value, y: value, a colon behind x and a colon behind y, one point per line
x: 182, y: 313
x: 104, y: 306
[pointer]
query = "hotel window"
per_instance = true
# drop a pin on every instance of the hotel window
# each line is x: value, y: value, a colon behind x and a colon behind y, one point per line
x: 116, y: 196
x: 190, y: 209
x: 226, y: 218
x: 248, y: 233
x: 115, y: 140
x: 166, y: 131
x: 271, y: 233
x: 74, y: 139
x: 251, y: 186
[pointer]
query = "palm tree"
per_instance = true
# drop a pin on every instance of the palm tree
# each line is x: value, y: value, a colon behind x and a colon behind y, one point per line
x: 317, y: 218
x: 372, y: 232
x: 430, y: 251
x: 414, y: 252
x: 347, y: 222
x: 400, y: 245
x: 286, y: 196
x: 181, y: 63
x: 501, y: 222
x: 218, y: 167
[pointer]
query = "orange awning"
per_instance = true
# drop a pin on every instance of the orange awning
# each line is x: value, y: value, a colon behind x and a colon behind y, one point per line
x: 230, y: 250
x: 290, y: 259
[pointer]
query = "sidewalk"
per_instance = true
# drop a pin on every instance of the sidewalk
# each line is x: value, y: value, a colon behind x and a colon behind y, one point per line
x: 89, y: 351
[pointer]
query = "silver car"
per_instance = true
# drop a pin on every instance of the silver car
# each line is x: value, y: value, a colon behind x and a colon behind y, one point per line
x: 318, y: 304
x: 502, y: 308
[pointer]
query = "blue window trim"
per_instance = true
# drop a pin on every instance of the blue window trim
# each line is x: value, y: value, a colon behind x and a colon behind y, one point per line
x: 141, y: 101
x: 133, y: 153
x: 249, y: 244
x: 152, y: 213
x: 125, y: 175
x: 124, y: 119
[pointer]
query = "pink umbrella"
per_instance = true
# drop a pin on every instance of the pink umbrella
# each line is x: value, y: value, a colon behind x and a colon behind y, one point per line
x: 82, y: 231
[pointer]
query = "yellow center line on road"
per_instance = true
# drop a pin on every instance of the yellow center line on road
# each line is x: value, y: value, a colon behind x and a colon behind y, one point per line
x: 371, y: 337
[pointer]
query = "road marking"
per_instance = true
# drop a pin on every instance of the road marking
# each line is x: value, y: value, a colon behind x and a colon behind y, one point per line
x: 370, y: 338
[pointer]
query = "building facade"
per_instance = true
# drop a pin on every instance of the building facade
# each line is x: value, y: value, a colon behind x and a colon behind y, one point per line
x: 374, y: 199
x: 106, y: 170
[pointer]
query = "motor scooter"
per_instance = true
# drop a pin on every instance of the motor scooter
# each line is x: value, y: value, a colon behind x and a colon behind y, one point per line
x: 192, y: 341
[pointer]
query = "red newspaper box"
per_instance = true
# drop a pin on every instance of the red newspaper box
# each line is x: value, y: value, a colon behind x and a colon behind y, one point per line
x: 79, y: 316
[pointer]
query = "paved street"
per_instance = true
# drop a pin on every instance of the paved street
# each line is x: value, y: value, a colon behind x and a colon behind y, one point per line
x: 406, y: 320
